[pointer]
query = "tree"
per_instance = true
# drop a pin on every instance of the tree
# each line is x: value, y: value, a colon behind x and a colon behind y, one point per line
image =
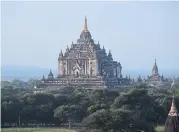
x: 61, y: 99
x: 135, y: 101
x: 93, y: 108
x: 116, y: 120
x: 69, y: 112
x: 97, y: 120
x: 39, y: 107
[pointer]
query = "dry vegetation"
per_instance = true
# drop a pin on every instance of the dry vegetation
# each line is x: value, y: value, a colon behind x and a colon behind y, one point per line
x: 160, y: 129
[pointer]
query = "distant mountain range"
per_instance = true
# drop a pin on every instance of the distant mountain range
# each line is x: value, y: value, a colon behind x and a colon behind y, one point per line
x: 26, y: 73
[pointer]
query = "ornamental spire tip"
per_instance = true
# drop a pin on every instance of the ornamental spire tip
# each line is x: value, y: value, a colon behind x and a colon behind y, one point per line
x: 85, y: 26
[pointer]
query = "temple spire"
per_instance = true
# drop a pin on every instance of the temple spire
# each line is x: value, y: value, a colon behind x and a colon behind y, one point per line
x: 173, y: 109
x: 50, y: 72
x: 172, y: 121
x: 85, y: 26
x: 155, y: 69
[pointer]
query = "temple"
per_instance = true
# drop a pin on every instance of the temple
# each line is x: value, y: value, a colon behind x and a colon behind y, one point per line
x: 155, y: 79
x: 172, y: 121
x: 86, y: 64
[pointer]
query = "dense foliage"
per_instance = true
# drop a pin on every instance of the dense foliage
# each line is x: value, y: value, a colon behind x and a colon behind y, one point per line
x: 139, y: 109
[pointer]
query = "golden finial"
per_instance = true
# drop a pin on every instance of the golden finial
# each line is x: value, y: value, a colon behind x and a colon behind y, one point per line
x: 85, y: 26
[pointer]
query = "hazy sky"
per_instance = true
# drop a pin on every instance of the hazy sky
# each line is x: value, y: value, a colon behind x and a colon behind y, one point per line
x: 33, y: 33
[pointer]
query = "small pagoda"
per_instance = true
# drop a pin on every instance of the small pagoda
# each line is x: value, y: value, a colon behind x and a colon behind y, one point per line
x: 172, y: 121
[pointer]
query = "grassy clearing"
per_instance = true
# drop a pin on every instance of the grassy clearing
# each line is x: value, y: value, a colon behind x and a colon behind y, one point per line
x: 35, y: 130
x: 160, y: 129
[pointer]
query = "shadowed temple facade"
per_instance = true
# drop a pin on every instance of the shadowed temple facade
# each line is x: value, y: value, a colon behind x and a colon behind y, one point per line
x: 86, y: 64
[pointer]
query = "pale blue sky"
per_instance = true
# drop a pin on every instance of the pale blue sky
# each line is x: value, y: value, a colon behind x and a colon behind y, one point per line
x: 33, y: 33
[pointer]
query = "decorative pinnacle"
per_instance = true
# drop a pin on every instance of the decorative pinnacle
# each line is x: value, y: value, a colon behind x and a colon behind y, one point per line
x: 67, y: 48
x: 50, y: 74
x: 85, y: 26
x: 61, y: 53
x: 109, y: 54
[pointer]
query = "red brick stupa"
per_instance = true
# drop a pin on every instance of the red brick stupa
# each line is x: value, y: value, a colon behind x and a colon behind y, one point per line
x: 172, y: 121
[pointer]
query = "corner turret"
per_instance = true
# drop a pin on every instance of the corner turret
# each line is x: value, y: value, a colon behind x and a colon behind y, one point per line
x: 50, y: 76
x: 110, y: 56
x: 61, y: 54
x: 72, y: 44
x: 43, y: 78
x: 104, y: 51
x: 98, y: 44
